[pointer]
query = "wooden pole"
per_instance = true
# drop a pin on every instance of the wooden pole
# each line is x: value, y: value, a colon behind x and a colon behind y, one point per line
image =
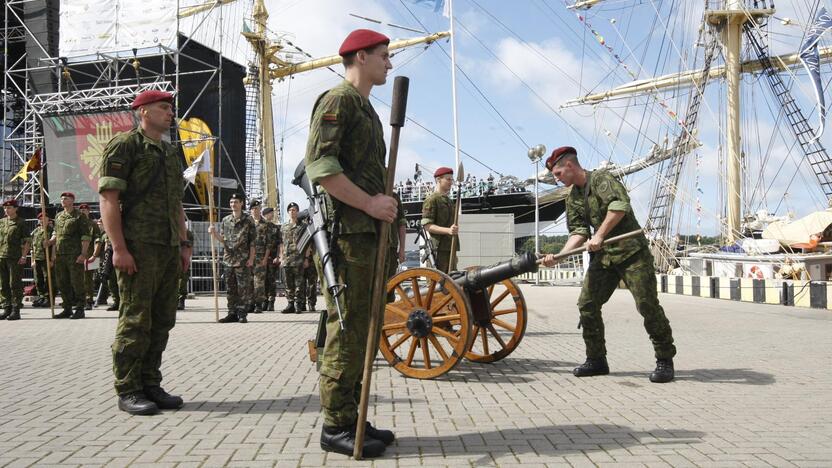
x: 45, y: 236
x: 211, y: 220
x: 379, y: 299
x: 460, y: 175
x: 611, y: 240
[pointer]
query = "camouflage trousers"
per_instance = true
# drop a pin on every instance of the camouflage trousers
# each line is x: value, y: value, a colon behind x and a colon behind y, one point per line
x: 146, y: 315
x: 600, y: 282
x: 89, y: 283
x: 70, y: 276
x: 271, y: 280
x: 11, y: 283
x: 295, y: 283
x: 310, y: 280
x: 40, y: 279
x: 442, y: 259
x: 259, y: 281
x: 112, y: 285
x: 238, y: 284
x: 342, y: 361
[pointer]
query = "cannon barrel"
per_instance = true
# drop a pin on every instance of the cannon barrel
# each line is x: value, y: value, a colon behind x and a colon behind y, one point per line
x: 486, y: 276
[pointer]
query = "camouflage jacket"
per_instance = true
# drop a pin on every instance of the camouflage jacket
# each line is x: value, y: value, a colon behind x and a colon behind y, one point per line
x: 265, y: 239
x: 439, y: 209
x: 148, y: 176
x: 346, y: 136
x: 606, y: 193
x: 13, y: 236
x: 70, y: 230
x: 38, y: 250
x: 95, y: 234
x: 291, y: 233
x: 239, y: 236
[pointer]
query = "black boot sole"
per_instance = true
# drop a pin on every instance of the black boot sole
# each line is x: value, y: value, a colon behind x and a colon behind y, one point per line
x: 348, y: 452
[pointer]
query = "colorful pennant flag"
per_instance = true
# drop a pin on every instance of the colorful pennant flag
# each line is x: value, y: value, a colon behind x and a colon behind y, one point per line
x: 32, y: 165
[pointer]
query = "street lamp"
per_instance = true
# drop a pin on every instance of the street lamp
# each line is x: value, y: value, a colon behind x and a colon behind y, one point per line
x: 535, y: 154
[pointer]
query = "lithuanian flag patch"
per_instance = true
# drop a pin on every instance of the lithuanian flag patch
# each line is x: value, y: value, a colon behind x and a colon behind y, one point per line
x: 330, y: 117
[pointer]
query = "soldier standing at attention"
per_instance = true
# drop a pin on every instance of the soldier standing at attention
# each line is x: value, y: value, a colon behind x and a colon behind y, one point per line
x: 598, y: 201
x: 40, y: 241
x: 14, y: 247
x: 274, y: 263
x: 438, y: 218
x: 345, y: 154
x: 140, y: 192
x: 237, y: 239
x: 292, y: 262
x: 262, y: 251
x: 92, y: 253
x: 185, y: 277
x: 71, y: 239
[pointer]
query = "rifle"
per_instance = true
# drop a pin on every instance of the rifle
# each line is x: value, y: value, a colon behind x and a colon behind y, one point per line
x: 105, y: 268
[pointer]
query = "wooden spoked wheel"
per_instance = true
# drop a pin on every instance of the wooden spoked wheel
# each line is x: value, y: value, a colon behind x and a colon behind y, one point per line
x: 496, y: 337
x: 427, y: 325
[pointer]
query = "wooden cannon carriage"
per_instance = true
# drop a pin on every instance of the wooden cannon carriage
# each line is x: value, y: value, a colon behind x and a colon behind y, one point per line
x: 433, y: 320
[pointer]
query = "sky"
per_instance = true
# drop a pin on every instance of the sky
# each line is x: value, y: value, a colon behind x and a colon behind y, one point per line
x: 520, y: 61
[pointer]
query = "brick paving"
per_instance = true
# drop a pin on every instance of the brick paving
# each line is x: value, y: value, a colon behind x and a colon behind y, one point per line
x: 753, y: 388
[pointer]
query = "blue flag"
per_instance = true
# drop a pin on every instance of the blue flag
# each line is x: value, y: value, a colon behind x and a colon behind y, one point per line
x: 438, y: 6
x: 809, y: 57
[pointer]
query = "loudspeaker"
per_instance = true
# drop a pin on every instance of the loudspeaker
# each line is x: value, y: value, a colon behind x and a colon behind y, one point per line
x: 42, y: 19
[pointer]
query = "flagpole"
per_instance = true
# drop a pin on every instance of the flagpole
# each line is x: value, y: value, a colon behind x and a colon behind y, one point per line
x: 45, y: 228
x: 453, y: 83
x: 213, y: 246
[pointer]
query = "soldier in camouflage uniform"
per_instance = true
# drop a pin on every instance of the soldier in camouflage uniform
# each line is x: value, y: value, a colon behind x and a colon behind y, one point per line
x: 109, y: 277
x: 185, y: 278
x: 345, y: 155
x: 40, y: 239
x: 292, y: 262
x: 238, y: 236
x: 274, y: 263
x: 262, y: 252
x: 14, y: 247
x: 140, y: 190
x: 89, y: 274
x: 309, y: 278
x: 72, y: 237
x: 598, y: 201
x: 438, y: 219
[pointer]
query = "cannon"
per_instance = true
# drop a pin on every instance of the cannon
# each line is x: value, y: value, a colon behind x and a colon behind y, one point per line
x: 432, y: 320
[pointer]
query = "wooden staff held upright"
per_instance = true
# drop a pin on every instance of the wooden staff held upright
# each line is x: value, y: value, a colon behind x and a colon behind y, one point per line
x: 460, y: 177
x: 397, y: 118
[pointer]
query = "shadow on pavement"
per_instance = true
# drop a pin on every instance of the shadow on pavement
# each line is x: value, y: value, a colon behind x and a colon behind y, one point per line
x: 508, y: 370
x: 541, y: 441
x: 296, y: 404
x: 717, y: 376
x: 250, y: 322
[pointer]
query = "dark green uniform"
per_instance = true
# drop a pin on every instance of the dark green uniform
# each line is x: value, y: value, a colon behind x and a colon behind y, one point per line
x: 186, y: 274
x: 239, y: 235
x: 346, y: 136
x: 310, y: 279
x: 262, y: 245
x: 293, y: 262
x: 13, y: 237
x: 629, y: 260
x: 39, y: 260
x: 89, y: 274
x: 148, y: 176
x: 71, y: 229
x: 393, y: 256
x: 272, y: 269
x: 438, y: 209
x: 110, y: 278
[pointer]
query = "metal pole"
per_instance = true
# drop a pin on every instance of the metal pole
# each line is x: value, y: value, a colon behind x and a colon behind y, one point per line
x: 536, y: 218
x: 453, y: 83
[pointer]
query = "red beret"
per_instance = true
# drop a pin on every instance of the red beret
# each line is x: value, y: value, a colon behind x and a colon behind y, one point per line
x: 83, y: 206
x: 442, y: 171
x: 557, y: 154
x: 150, y: 96
x: 68, y: 194
x: 10, y: 202
x: 361, y: 39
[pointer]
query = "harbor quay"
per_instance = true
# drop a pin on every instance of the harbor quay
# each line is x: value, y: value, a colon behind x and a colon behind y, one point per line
x: 752, y: 388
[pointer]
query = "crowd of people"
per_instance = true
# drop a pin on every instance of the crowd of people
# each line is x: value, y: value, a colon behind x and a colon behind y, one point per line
x: 418, y: 189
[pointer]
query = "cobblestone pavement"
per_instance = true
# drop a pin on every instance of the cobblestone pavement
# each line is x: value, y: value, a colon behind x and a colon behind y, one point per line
x: 753, y: 388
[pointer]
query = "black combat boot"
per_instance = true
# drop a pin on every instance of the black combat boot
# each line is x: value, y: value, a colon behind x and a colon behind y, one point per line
x: 290, y: 309
x: 383, y: 435
x: 15, y: 315
x: 258, y: 308
x: 181, y: 304
x: 67, y: 313
x: 265, y: 305
x: 7, y: 311
x: 89, y: 304
x: 300, y: 306
x: 342, y: 440
x: 664, y: 371
x: 312, y: 306
x: 230, y: 318
x: 113, y: 307
x: 79, y: 313
x: 136, y: 403
x: 241, y: 315
x: 271, y: 305
x: 163, y: 399
x: 592, y: 366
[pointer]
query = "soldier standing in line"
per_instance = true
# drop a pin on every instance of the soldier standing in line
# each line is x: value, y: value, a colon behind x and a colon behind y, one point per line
x: 101, y: 289
x: 109, y: 277
x: 40, y: 240
x: 438, y: 218
x: 292, y: 262
x: 185, y: 278
x: 89, y: 275
x: 237, y: 238
x: 140, y: 192
x: 598, y: 201
x: 262, y: 251
x: 273, y: 265
x: 14, y: 247
x: 71, y: 239
x: 345, y: 155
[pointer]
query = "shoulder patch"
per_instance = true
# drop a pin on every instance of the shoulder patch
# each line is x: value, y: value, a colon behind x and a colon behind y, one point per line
x: 331, y: 117
x: 604, y: 186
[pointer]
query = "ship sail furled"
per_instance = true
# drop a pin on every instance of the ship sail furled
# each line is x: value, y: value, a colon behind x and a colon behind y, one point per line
x: 811, y: 61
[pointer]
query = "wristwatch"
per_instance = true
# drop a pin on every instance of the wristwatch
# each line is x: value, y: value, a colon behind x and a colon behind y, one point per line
x: 185, y: 243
